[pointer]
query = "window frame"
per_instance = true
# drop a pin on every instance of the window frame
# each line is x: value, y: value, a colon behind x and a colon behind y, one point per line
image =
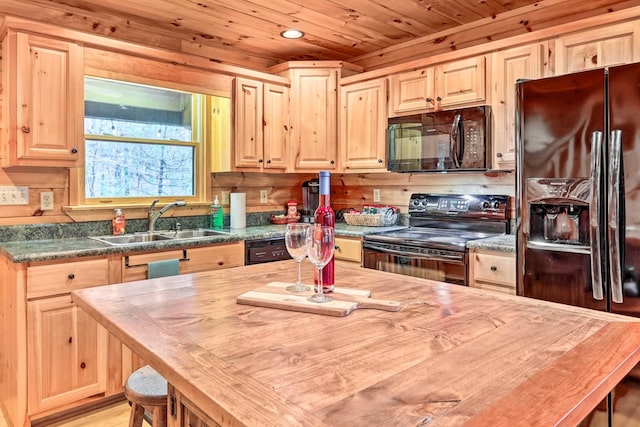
x: 200, y: 142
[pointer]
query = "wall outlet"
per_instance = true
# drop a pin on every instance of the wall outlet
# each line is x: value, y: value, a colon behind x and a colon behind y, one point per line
x: 46, y: 200
x: 376, y: 195
x: 225, y: 198
x: 264, y: 198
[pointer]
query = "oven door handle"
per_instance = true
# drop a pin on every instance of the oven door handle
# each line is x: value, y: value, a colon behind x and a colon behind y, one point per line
x: 440, y: 257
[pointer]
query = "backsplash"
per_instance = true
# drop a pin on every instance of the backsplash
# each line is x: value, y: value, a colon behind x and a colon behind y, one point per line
x: 12, y: 233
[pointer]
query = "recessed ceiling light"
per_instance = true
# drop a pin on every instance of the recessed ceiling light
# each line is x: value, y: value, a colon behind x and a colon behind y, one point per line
x: 292, y: 34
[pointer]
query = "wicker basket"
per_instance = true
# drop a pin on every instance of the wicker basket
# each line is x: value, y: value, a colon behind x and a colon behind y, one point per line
x: 370, y: 220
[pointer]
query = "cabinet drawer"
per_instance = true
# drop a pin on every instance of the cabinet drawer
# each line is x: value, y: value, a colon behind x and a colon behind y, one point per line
x: 134, y: 267
x: 495, y: 268
x: 43, y: 280
x: 348, y: 249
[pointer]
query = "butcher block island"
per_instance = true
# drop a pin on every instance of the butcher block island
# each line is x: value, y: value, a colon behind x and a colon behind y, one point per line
x: 451, y: 354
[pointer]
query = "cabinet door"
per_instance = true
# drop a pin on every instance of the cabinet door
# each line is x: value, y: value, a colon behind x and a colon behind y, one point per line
x: 314, y: 119
x: 509, y: 66
x: 349, y: 249
x: 460, y: 82
x: 247, y: 141
x: 276, y: 126
x: 363, y: 125
x: 411, y: 91
x: 611, y: 45
x: 43, y: 105
x: 67, y: 354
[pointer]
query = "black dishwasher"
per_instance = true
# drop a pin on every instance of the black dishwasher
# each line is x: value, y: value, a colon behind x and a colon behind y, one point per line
x: 265, y: 250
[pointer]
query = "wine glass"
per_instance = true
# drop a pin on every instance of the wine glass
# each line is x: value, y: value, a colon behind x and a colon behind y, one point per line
x: 295, y: 238
x: 320, y: 249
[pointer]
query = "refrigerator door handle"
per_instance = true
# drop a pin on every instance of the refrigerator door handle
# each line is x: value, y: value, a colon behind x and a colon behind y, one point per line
x: 594, y: 206
x: 614, y: 216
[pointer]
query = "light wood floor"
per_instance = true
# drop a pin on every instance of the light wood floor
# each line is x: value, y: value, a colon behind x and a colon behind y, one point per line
x: 116, y: 415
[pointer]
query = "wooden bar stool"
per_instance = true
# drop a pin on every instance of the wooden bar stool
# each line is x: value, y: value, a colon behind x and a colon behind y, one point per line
x: 147, y: 390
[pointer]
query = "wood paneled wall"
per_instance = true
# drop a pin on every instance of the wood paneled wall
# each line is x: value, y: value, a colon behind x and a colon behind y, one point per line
x: 355, y: 190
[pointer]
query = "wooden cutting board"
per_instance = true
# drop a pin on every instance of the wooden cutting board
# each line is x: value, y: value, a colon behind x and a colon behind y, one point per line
x: 345, y: 300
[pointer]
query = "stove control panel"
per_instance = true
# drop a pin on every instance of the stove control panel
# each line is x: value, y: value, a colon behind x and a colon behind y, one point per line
x: 459, y: 205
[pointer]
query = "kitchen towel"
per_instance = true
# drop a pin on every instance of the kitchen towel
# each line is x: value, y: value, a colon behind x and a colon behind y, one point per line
x: 238, y: 210
x: 167, y: 267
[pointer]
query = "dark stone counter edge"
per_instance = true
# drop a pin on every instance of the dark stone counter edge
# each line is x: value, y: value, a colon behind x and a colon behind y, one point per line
x: 54, y: 249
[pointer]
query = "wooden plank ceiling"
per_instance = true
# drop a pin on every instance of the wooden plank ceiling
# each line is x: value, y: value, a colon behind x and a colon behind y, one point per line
x: 365, y: 32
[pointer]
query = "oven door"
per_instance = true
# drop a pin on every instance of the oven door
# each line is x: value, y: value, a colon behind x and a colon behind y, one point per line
x: 435, y: 264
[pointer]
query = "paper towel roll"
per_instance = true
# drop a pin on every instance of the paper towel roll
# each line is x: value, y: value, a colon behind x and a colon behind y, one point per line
x: 238, y: 210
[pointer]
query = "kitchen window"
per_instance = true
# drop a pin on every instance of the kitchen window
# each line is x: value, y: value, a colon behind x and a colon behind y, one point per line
x: 141, y: 143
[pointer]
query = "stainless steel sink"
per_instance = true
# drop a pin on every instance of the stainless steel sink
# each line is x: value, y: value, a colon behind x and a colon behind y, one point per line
x: 186, y: 234
x: 131, y: 238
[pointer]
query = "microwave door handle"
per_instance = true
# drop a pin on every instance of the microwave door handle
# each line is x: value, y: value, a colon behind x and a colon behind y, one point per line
x: 594, y: 207
x: 456, y: 139
x: 614, y: 226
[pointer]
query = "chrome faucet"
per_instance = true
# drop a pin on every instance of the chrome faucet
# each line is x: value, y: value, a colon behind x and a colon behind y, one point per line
x: 153, y: 215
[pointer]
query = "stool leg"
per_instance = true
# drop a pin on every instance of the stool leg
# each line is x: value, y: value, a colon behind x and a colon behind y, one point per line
x: 159, y: 416
x: 137, y: 415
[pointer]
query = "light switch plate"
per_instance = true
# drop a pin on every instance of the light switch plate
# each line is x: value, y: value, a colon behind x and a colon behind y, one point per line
x: 264, y: 198
x: 225, y: 198
x: 14, y: 195
x: 376, y: 195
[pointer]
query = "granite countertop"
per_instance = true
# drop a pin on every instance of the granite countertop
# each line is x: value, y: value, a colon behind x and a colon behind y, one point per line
x: 502, y: 243
x: 52, y: 249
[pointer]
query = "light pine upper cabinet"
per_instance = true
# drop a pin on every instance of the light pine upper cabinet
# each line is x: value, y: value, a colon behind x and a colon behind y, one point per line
x: 460, y: 82
x: 441, y: 86
x: 42, y: 102
x: 276, y: 126
x: 601, y: 47
x: 261, y: 129
x: 314, y: 117
x: 363, y: 125
x: 524, y: 62
x: 411, y: 91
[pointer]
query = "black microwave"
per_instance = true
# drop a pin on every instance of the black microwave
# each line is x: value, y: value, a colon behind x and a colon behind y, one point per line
x: 440, y: 141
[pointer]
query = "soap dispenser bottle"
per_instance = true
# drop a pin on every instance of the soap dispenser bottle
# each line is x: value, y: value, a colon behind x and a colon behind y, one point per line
x: 216, y: 217
x: 119, y: 223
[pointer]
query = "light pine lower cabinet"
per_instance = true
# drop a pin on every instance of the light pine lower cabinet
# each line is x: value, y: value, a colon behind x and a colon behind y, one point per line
x: 66, y: 348
x: 349, y: 249
x: 54, y: 357
x: 493, y: 270
x: 67, y: 354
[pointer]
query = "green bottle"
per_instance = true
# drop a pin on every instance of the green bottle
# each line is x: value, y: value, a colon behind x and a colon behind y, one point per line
x: 216, y: 217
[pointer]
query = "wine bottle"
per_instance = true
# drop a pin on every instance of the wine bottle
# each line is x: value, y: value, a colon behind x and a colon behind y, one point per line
x: 324, y: 215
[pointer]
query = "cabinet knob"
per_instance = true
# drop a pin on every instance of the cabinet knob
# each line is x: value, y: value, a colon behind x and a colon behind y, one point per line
x: 380, y: 161
x: 429, y: 100
x: 26, y: 129
x: 83, y: 365
x: 333, y: 162
x: 494, y: 268
x: 71, y: 276
x: 269, y: 161
x: 438, y: 99
x: 74, y: 151
x: 260, y: 161
x: 499, y: 155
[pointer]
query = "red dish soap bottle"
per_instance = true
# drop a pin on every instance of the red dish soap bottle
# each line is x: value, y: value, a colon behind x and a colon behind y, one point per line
x: 119, y: 223
x: 324, y: 215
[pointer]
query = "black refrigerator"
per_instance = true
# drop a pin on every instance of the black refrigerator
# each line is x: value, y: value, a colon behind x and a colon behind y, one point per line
x: 578, y: 187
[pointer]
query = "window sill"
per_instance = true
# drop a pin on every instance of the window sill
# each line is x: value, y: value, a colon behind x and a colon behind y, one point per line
x: 84, y: 213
